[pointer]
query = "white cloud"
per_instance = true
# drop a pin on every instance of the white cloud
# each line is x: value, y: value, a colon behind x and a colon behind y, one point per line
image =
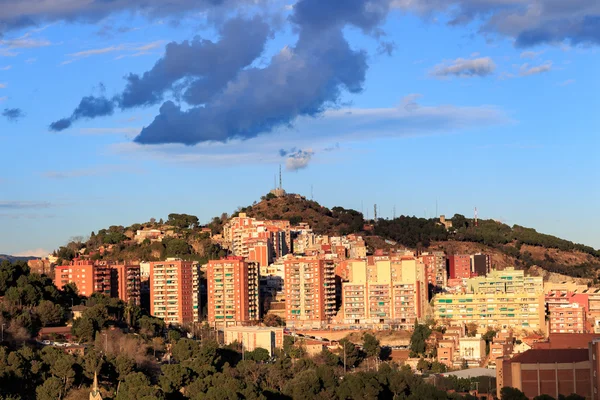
x: 531, y: 54
x: 464, y: 68
x: 299, y: 159
x: 6, y: 68
x: 527, y: 70
x: 4, y: 98
x: 33, y: 253
x: 131, y: 50
x: 348, y: 125
x: 567, y: 82
x: 2, y: 85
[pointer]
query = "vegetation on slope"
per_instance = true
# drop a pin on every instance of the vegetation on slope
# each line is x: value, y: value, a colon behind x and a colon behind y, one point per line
x: 188, y: 241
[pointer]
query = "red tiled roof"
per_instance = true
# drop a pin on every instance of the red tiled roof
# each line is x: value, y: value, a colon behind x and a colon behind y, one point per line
x: 567, y: 341
x: 551, y: 356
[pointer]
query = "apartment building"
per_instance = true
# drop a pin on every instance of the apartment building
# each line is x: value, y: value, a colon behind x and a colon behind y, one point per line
x: 111, y: 279
x: 567, y: 318
x: 481, y: 264
x: 174, y: 293
x: 508, y: 280
x: 502, y: 345
x: 256, y: 240
x: 309, y: 292
x: 128, y: 283
x: 435, y: 265
x: 384, y: 291
x: 233, y: 292
x: 78, y: 272
x: 459, y: 266
x: 495, y: 310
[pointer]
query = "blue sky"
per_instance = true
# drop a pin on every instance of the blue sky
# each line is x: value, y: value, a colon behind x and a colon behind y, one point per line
x: 399, y: 103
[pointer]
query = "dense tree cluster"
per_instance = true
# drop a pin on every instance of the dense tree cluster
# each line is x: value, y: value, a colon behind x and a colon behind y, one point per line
x: 411, y: 231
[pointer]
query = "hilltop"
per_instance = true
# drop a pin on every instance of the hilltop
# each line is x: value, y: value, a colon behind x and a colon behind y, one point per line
x: 507, y: 245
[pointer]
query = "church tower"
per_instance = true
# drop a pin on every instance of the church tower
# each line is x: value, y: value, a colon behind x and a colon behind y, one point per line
x: 95, y: 393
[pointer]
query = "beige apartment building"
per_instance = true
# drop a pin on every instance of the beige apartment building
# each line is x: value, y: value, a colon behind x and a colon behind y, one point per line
x: 174, y: 290
x: 508, y: 280
x: 496, y: 310
x: 385, y: 292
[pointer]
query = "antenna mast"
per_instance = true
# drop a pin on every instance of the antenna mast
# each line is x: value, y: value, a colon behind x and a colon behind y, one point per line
x: 475, y: 216
x: 394, y: 212
x: 280, y: 185
x: 375, y: 209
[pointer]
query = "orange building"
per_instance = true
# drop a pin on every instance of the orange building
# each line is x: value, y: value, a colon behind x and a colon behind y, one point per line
x: 174, y: 293
x: 128, y: 283
x: 87, y: 276
x: 113, y: 280
x: 309, y: 292
x: 233, y: 291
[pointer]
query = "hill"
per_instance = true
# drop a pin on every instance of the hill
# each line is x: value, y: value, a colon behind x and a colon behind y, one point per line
x: 15, y: 258
x: 508, y: 246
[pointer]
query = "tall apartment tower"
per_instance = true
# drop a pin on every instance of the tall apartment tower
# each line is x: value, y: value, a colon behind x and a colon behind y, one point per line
x: 128, y: 283
x: 233, y: 292
x: 435, y: 266
x: 174, y: 291
x: 87, y: 276
x: 309, y: 292
x: 480, y: 264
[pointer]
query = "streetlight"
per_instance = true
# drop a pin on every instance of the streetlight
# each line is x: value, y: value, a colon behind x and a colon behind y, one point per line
x: 2, y: 333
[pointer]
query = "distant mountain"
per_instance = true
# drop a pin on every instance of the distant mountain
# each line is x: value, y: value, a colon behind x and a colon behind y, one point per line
x: 15, y: 258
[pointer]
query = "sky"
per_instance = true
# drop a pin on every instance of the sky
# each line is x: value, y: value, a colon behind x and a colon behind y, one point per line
x: 112, y: 113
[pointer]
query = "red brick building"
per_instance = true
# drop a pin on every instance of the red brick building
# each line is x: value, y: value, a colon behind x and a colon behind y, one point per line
x: 547, y: 371
x: 459, y: 266
x: 233, y: 291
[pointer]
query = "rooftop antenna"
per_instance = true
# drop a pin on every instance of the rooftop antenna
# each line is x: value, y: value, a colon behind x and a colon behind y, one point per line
x: 280, y: 185
x: 475, y: 216
x: 375, y: 210
x: 394, y: 212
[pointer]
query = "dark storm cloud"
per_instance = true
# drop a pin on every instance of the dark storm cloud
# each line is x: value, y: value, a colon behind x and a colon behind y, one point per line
x: 208, y: 65
x: 201, y: 67
x: 299, y: 81
x: 13, y: 114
